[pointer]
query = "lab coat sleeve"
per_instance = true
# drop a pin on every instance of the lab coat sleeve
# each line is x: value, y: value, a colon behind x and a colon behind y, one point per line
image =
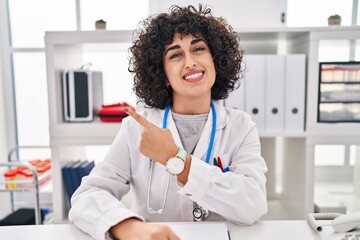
x: 239, y: 195
x: 96, y: 205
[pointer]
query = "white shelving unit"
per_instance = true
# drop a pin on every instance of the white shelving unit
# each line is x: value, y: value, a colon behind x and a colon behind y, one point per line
x: 64, y: 50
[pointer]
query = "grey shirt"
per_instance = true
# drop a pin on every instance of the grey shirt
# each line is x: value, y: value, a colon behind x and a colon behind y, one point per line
x: 190, y: 128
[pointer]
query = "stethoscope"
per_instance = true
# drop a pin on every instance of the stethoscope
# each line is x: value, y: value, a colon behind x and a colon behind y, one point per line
x: 199, y: 213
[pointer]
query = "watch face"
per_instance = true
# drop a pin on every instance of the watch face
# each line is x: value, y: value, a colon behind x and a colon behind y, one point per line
x: 175, y: 165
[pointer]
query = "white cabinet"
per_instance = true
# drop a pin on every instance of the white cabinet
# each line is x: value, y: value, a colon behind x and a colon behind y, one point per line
x: 288, y: 151
x: 67, y: 50
x: 313, y: 126
x: 264, y: 13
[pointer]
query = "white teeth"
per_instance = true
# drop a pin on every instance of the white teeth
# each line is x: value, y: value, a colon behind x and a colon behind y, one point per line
x: 192, y: 76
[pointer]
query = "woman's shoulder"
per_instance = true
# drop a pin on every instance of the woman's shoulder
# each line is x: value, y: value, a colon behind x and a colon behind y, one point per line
x: 238, y: 116
x: 237, y: 113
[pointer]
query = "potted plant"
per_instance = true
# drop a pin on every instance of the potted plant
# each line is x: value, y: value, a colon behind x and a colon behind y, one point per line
x: 334, y: 20
x: 100, y: 24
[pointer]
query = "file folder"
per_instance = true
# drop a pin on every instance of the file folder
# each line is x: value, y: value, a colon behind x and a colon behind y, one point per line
x: 295, y: 93
x: 275, y: 93
x: 255, y: 89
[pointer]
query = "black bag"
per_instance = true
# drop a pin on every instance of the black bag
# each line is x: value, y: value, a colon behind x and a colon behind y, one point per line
x: 22, y: 216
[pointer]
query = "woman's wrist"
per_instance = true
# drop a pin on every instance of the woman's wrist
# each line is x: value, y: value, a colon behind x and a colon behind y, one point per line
x: 118, y: 230
x: 183, y: 176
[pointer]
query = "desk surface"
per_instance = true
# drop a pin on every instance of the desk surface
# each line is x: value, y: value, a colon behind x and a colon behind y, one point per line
x: 279, y: 230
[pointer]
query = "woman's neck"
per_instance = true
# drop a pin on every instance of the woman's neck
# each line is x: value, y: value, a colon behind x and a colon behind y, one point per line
x: 191, y: 107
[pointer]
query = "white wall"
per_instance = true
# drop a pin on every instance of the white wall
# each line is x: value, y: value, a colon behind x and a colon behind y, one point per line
x: 3, y: 131
x: 5, y: 199
x: 238, y: 13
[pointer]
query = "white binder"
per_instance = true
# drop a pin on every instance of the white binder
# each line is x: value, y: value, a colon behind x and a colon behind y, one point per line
x: 295, y: 93
x: 255, y: 89
x: 236, y: 98
x: 275, y: 93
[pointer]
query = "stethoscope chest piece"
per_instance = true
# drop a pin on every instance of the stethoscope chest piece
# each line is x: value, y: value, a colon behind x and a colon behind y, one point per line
x: 200, y: 213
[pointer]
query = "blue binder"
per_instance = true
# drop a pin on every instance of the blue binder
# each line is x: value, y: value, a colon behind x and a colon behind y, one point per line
x: 84, y: 169
x: 76, y: 179
x: 67, y: 178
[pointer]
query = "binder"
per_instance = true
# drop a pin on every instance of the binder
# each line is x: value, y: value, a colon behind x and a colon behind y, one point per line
x: 255, y: 89
x: 67, y: 178
x: 275, y: 93
x: 236, y: 98
x: 80, y: 171
x: 85, y: 168
x: 295, y: 93
x: 73, y: 172
x: 76, y: 180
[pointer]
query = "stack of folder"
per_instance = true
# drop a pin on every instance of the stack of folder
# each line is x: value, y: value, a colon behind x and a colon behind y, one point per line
x: 273, y: 92
x: 73, y: 172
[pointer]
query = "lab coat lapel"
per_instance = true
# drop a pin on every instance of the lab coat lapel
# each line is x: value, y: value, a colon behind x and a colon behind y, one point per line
x: 203, y: 143
x: 222, y: 119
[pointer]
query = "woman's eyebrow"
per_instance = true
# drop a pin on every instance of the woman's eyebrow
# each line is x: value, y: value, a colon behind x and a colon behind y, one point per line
x: 178, y: 46
x: 197, y: 40
x: 171, y: 48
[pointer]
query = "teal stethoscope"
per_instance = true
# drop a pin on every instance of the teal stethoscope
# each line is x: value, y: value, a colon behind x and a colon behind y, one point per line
x: 197, y: 210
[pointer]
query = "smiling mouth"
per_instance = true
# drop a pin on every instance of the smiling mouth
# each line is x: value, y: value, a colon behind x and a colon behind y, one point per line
x: 194, y: 77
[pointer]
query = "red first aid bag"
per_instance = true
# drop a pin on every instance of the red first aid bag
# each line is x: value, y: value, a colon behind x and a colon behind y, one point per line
x: 114, y: 112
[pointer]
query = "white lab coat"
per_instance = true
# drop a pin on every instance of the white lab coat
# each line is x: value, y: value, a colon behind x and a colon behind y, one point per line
x: 238, y: 195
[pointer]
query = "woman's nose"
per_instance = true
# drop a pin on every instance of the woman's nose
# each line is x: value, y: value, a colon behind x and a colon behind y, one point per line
x: 189, y: 62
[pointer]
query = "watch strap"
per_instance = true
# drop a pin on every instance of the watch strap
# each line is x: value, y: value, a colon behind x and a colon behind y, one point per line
x: 181, y: 154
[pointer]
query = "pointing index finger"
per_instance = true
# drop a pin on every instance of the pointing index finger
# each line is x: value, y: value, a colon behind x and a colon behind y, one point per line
x: 140, y: 119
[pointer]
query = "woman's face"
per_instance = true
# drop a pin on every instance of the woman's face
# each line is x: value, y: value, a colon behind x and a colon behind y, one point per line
x: 189, y: 68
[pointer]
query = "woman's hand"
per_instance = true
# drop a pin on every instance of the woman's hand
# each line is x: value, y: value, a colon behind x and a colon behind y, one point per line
x: 156, y: 143
x: 134, y: 229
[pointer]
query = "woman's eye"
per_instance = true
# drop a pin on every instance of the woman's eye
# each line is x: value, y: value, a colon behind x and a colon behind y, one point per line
x: 175, y: 55
x: 199, y: 49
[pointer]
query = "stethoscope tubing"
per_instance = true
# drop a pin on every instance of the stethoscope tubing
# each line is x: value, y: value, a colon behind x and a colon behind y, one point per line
x: 152, y: 162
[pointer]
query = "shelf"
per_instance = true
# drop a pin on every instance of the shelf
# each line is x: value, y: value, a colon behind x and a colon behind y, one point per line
x: 83, y: 133
x: 81, y: 37
x: 345, y: 83
x: 282, y: 134
x: 25, y: 185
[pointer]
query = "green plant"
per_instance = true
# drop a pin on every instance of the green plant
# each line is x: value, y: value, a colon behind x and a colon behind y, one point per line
x: 336, y: 16
x: 100, y: 21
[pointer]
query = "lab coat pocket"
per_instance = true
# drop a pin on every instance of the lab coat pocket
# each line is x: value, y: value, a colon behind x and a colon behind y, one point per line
x: 225, y: 161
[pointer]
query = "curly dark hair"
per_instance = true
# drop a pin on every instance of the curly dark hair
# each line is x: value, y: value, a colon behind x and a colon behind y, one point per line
x: 146, y: 61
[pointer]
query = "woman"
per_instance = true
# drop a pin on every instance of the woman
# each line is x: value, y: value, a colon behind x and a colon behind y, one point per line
x: 186, y: 157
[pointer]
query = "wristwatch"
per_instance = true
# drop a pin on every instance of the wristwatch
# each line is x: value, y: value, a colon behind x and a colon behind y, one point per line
x: 176, y: 165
